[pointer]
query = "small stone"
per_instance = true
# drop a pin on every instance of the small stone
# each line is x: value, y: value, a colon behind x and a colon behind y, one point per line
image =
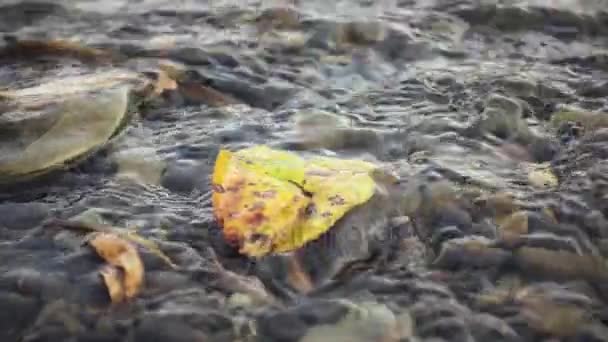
x: 279, y: 18
x: 501, y: 117
x: 163, y: 329
x: 543, y: 150
x: 541, y: 262
x: 596, y: 224
x: 470, y: 253
x: 183, y: 177
x: 365, y: 322
x: 240, y: 300
x: 164, y: 281
x: 140, y: 164
x: 31, y: 282
x: 196, y: 94
x: 364, y: 32
x: 542, y: 177
x: 281, y: 326
x: 486, y: 327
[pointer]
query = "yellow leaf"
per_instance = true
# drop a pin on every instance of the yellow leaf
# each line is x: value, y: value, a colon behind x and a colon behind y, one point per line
x: 271, y: 201
x: 119, y: 253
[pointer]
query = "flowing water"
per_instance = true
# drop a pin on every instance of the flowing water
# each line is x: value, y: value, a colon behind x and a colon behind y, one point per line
x: 457, y: 97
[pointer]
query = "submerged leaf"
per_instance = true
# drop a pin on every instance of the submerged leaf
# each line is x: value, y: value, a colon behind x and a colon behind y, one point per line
x: 275, y: 201
x: 113, y: 280
x: 61, y: 122
x: 89, y: 221
x: 122, y: 254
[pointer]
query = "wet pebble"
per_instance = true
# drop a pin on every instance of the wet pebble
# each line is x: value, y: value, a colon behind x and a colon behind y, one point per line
x: 164, y: 329
x: 470, y: 253
x: 184, y: 177
x: 164, y: 281
x: 363, y: 322
x: 486, y: 327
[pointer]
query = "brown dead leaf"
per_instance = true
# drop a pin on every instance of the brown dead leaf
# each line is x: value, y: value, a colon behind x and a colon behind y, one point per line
x: 113, y: 280
x: 130, y: 235
x: 164, y: 82
x: 298, y: 278
x: 120, y: 253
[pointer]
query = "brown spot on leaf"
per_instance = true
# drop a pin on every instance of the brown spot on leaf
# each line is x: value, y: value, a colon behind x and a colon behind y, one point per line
x: 218, y: 188
x: 257, y: 206
x: 236, y: 186
x: 319, y: 173
x: 326, y: 214
x: 309, y: 210
x: 259, y: 238
x: 265, y: 194
x: 256, y: 219
x: 337, y: 200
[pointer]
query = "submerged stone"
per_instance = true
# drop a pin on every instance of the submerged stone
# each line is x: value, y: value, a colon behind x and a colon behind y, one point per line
x: 41, y: 134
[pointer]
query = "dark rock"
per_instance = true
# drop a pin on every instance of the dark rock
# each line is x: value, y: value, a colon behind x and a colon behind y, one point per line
x: 444, y: 234
x: 543, y: 149
x: 594, y: 90
x: 470, y: 253
x: 166, y: 329
x: 321, y: 312
x: 452, y: 329
x: 596, y: 224
x: 281, y: 18
x: 17, y: 313
x: 560, y: 265
x: 267, y: 96
x: 164, y: 281
x: 192, y: 56
x: 17, y: 15
x: 33, y: 283
x: 183, y: 177
x: 58, y: 321
x: 590, y: 333
x: 548, y: 241
x: 486, y: 327
x: 282, y: 326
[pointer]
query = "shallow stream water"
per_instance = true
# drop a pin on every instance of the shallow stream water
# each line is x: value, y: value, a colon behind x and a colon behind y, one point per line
x: 454, y: 96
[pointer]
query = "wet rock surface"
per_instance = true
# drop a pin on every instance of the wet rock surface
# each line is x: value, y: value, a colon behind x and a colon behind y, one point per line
x: 492, y: 116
